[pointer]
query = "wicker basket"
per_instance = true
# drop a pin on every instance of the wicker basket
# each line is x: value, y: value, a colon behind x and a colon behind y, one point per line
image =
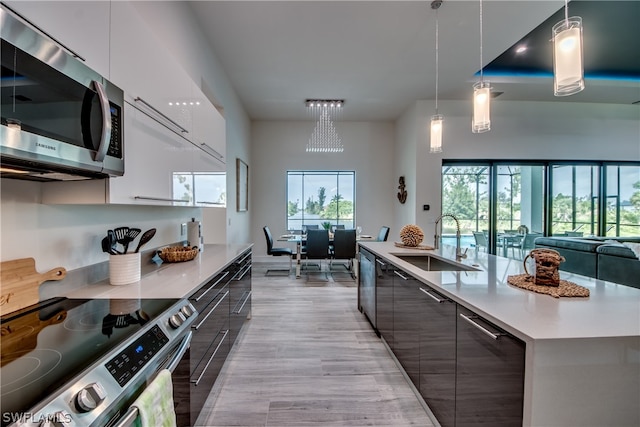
x: 178, y: 253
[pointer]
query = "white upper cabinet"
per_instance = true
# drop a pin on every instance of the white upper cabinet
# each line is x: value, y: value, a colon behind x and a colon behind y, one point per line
x: 156, y: 159
x: 150, y: 77
x: 174, y: 137
x: 154, y: 155
x: 81, y: 26
x: 208, y: 133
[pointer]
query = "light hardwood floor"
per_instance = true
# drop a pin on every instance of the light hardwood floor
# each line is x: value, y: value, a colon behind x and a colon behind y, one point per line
x: 308, y: 357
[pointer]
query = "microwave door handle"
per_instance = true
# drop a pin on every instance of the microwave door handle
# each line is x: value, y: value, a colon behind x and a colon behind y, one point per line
x: 105, y: 137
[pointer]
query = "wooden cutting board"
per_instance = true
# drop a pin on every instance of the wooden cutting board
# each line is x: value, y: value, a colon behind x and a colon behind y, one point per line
x: 20, y: 283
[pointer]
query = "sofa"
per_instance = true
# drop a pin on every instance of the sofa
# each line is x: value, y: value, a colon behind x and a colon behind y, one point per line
x: 602, y: 258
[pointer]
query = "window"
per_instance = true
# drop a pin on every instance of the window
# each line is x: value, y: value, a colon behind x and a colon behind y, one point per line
x: 322, y: 198
x: 200, y: 188
x: 496, y: 198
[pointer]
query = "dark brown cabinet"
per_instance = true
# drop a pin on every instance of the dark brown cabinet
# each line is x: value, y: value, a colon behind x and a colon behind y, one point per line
x: 437, y: 329
x: 239, y: 295
x: 384, y: 300
x: 489, y: 373
x: 223, y: 304
x: 367, y: 286
x: 468, y: 371
x: 406, y: 323
x: 210, y: 343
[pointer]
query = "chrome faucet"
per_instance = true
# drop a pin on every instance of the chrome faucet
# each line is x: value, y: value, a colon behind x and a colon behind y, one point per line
x: 459, y: 254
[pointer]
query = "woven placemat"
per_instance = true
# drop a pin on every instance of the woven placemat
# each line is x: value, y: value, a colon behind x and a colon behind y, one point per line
x: 566, y: 288
x: 423, y: 247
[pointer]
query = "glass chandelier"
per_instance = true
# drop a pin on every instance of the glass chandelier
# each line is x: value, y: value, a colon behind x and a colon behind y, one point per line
x: 437, y: 119
x: 568, y: 70
x: 325, y: 138
x: 481, y: 121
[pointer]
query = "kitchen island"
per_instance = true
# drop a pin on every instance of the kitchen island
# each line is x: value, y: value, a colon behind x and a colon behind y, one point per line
x: 582, y: 355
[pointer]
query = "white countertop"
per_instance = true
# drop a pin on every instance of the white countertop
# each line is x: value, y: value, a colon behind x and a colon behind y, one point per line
x: 171, y: 280
x: 611, y: 310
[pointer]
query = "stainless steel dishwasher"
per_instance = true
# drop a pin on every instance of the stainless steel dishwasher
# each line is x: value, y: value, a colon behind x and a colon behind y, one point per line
x: 367, y: 286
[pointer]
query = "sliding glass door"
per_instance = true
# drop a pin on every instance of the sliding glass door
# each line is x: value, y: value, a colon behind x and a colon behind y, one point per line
x: 503, y: 206
x: 574, y: 200
x: 622, y: 216
x: 465, y: 193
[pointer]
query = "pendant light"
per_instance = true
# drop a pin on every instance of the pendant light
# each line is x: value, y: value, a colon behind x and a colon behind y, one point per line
x: 568, y: 70
x: 481, y: 121
x: 437, y: 119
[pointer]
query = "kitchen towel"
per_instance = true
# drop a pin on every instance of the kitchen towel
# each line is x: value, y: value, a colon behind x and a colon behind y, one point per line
x: 155, y: 404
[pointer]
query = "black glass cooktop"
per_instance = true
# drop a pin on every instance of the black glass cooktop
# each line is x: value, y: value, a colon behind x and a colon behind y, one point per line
x: 46, y: 345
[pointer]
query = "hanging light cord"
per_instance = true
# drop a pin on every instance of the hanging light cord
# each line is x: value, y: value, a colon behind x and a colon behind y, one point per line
x: 437, y: 55
x: 481, y: 74
x: 566, y: 13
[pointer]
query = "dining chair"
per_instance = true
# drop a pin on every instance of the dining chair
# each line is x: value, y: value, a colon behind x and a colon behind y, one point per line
x: 337, y: 227
x: 528, y: 243
x: 383, y: 235
x: 513, y: 242
x: 276, y: 251
x: 317, y: 246
x: 309, y: 227
x: 344, y: 248
x: 481, y: 240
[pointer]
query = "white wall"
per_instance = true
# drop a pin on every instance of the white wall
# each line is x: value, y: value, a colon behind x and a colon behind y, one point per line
x: 175, y: 24
x: 519, y: 131
x: 69, y: 236
x: 280, y: 146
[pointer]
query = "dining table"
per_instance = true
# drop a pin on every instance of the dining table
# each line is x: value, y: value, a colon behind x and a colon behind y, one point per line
x: 301, y: 239
x: 509, y: 240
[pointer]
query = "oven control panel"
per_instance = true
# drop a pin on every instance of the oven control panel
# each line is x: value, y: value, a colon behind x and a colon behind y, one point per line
x: 133, y: 358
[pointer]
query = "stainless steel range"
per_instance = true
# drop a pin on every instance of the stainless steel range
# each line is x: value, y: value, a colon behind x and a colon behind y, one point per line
x: 68, y: 362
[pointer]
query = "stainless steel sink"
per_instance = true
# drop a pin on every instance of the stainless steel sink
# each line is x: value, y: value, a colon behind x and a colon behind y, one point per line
x: 429, y: 263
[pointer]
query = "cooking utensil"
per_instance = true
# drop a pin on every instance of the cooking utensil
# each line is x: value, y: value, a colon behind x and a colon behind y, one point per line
x: 121, y: 235
x: 106, y: 246
x: 130, y: 237
x: 146, y: 236
x: 20, y: 282
x: 113, y: 241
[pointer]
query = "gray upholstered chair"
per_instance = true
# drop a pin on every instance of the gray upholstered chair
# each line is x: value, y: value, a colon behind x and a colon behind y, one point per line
x: 481, y: 240
x: 383, y: 235
x: 276, y: 251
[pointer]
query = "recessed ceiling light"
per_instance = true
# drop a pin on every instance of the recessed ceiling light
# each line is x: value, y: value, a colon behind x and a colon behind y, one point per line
x: 521, y: 49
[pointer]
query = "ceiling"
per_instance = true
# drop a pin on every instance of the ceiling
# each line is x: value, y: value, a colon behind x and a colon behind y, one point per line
x: 379, y: 56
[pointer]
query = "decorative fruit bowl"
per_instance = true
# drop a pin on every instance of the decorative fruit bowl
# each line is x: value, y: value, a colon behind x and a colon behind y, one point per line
x: 178, y: 253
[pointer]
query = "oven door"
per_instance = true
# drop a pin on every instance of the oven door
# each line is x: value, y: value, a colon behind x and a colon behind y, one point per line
x: 127, y: 415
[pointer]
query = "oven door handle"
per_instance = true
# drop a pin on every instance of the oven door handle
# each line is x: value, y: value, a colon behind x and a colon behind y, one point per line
x: 130, y: 416
x: 184, y: 346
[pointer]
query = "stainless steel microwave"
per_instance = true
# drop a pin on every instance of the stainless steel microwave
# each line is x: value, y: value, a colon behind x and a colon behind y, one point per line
x: 60, y: 120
